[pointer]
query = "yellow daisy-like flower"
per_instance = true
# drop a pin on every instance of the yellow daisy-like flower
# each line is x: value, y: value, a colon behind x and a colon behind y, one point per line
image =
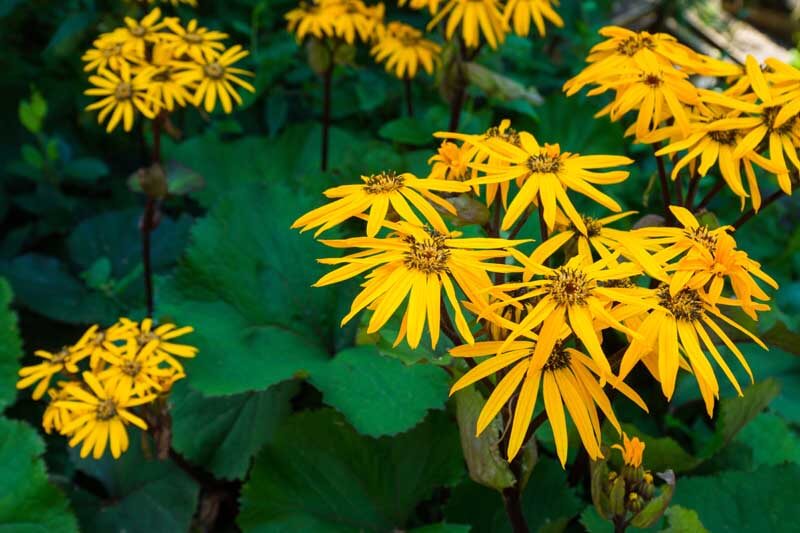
x: 676, y: 329
x: 621, y: 48
x: 477, y: 18
x: 604, y: 241
x: 56, y: 416
x: 195, y: 41
x: 451, y: 162
x: 136, y: 368
x: 317, y: 19
x: 577, y: 295
x: 108, y: 53
x: 137, y: 34
x: 709, y: 258
x: 632, y: 450
x: 521, y: 12
x: 657, y: 92
x: 763, y: 127
x: 546, y: 172
x: 162, y: 336
x: 63, y: 360
x: 377, y: 194
x: 417, y: 263
x: 98, y: 345
x: 99, y: 416
x: 166, y: 88
x: 122, y: 96
x: 567, y: 378
x: 431, y: 5
x: 478, y: 149
x: 404, y: 50
x: 357, y: 20
x: 216, y: 79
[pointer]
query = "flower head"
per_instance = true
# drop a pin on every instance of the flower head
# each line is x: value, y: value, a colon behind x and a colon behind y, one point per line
x: 404, y: 50
x: 123, y: 95
x: 632, y: 450
x: 316, y: 19
x: 477, y: 18
x: 216, y: 79
x: 64, y: 360
x: 520, y: 12
x: 195, y: 41
x: 137, y: 34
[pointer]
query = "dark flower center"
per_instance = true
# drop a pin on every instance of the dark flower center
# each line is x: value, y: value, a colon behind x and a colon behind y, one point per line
x: 686, y: 305
x: 106, y: 410
x: 430, y: 255
x: 382, y: 183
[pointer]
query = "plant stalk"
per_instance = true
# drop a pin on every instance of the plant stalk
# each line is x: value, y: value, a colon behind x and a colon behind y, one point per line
x: 409, y: 96
x: 751, y: 212
x: 327, y: 80
x: 662, y: 176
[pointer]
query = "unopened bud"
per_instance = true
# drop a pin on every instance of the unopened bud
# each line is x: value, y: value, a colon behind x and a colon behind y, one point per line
x: 152, y: 181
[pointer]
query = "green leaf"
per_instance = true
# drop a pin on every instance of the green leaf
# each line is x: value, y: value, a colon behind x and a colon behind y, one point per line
x: 86, y: 169
x: 682, y: 520
x: 33, y: 112
x: 501, y: 87
x: 144, y: 495
x: 380, y: 395
x: 441, y: 528
x: 594, y: 523
x: 222, y: 434
x: 28, y: 502
x: 482, y: 454
x: 37, y: 280
x: 320, y: 475
x: 735, y: 413
x: 771, y: 439
x: 407, y: 130
x: 743, y: 502
x: 245, y: 286
x: 10, y: 347
x: 548, y: 503
x: 32, y: 156
x: 98, y: 273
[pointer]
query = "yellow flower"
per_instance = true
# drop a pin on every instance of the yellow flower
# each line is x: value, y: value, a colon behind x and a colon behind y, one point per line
x: 216, y: 78
x: 781, y: 138
x: 711, y: 143
x: 476, y: 18
x: 108, y: 53
x: 676, y: 329
x: 451, y: 162
x: 162, y: 336
x: 166, y: 88
x: 658, y: 93
x: 316, y: 19
x: 604, y: 240
x: 567, y: 377
x: 417, y: 263
x: 98, y: 345
x: 621, y: 48
x: 62, y: 360
x: 195, y: 41
x: 99, y: 416
x: 632, y: 450
x: 55, y: 415
x: 378, y: 193
x: 136, y: 34
x: 522, y: 11
x: 404, y: 50
x: 122, y: 96
x: 577, y: 295
x: 136, y: 368
x: 477, y: 149
x: 546, y: 173
x: 431, y: 5
x: 357, y: 20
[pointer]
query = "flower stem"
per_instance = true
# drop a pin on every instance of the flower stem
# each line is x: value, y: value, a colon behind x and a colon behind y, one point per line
x: 751, y: 212
x: 694, y: 182
x: 409, y: 96
x: 513, y: 506
x: 327, y: 79
x: 718, y: 186
x: 147, y: 224
x: 662, y: 176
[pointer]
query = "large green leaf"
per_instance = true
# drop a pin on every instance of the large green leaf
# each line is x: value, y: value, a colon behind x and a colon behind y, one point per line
x: 144, y: 495
x: 320, y: 475
x: 222, y: 434
x: 380, y: 395
x: 771, y: 439
x: 28, y: 502
x: 245, y: 286
x: 548, y: 503
x: 10, y: 347
x: 743, y: 502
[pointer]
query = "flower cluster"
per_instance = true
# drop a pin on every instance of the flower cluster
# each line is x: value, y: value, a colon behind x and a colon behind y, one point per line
x: 127, y: 365
x: 539, y: 320
x: 154, y: 65
x: 752, y: 124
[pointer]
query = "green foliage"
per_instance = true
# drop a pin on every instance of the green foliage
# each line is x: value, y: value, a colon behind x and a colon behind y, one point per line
x: 222, y: 434
x: 319, y: 473
x: 10, y: 347
x: 142, y: 495
x: 379, y: 395
x: 28, y: 502
x: 683, y: 520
